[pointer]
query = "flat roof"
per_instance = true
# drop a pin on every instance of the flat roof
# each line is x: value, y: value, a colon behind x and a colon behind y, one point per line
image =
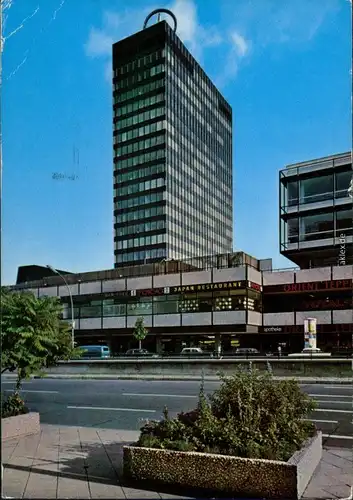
x: 322, y: 159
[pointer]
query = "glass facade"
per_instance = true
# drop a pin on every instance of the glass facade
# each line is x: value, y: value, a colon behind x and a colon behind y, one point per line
x: 315, y: 189
x: 172, y: 142
x: 316, y: 212
x: 222, y: 300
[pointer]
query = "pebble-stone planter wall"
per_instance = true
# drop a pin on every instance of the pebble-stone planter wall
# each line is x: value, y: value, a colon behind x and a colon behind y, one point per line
x: 20, y: 425
x: 256, y: 478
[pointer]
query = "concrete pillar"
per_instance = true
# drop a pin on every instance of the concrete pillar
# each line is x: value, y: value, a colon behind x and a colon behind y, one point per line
x: 158, y: 344
x: 218, y: 345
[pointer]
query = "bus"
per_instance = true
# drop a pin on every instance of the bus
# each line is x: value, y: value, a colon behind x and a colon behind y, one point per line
x: 95, y: 351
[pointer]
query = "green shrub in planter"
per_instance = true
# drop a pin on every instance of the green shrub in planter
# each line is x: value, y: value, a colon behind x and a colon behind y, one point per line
x: 13, y: 406
x: 250, y: 416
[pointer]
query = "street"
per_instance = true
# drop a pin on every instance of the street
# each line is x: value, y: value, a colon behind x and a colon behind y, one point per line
x: 124, y: 404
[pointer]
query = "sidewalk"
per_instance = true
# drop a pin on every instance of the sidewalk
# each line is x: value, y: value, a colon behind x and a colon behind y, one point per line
x: 81, y: 462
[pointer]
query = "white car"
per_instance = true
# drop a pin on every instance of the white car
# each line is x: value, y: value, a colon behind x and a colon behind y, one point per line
x: 191, y: 351
x: 309, y: 352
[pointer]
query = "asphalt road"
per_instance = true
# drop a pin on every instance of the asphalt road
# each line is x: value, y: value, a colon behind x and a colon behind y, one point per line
x: 124, y: 404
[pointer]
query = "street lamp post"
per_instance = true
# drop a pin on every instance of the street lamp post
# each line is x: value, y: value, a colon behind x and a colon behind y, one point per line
x: 72, y: 303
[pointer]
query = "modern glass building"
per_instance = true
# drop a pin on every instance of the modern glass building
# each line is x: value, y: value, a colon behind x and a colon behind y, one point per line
x: 172, y: 153
x: 316, y: 227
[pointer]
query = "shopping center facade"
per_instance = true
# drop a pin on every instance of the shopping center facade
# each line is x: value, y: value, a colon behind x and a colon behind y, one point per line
x: 231, y: 300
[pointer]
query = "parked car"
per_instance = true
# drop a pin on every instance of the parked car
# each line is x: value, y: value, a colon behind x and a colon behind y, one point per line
x: 95, y: 351
x: 309, y: 352
x: 141, y: 353
x: 192, y: 351
x: 247, y: 351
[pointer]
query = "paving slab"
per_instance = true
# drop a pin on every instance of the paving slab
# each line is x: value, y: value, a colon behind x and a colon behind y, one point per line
x: 106, y: 491
x: 132, y: 493
x: 333, y: 477
x: 41, y: 486
x: 72, y: 488
x: 15, y: 481
x: 77, y: 462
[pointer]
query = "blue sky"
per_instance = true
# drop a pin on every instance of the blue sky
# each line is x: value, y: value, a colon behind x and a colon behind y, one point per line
x: 283, y: 65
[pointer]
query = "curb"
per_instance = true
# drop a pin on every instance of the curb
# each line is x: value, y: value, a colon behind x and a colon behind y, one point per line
x: 176, y: 378
x: 308, y: 380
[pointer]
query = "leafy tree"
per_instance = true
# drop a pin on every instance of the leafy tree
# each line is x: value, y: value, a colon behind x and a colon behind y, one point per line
x: 33, y: 335
x: 140, y: 331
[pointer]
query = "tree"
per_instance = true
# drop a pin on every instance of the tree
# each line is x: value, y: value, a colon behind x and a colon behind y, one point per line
x: 33, y: 335
x: 140, y: 331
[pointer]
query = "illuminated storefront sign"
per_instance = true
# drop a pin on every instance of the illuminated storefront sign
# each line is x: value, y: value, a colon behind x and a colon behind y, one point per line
x: 229, y: 285
x: 150, y: 292
x: 325, y: 304
x: 153, y: 292
x: 315, y: 286
x: 254, y: 286
x: 325, y: 328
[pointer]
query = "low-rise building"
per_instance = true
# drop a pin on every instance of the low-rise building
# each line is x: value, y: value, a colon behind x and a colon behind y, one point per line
x: 234, y: 300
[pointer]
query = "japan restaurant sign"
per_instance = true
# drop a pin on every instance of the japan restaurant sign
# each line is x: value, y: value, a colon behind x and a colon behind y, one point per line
x: 229, y: 285
x: 314, y: 286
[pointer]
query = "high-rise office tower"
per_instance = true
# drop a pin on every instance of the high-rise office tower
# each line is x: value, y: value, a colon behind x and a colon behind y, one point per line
x: 172, y: 153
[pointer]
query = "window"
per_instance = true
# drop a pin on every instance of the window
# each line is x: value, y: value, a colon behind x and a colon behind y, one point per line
x: 316, y: 189
x: 344, y: 220
x: 342, y: 180
x: 141, y: 307
x: 293, y: 230
x: 163, y: 306
x: 292, y: 193
x: 111, y: 309
x: 316, y: 227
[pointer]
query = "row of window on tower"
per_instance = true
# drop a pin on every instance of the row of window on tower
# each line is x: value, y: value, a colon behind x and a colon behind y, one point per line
x: 138, y: 187
x: 143, y: 227
x: 140, y: 62
x: 136, y: 201
x: 139, y: 118
x: 139, y: 104
x: 135, y: 78
x: 142, y: 255
x: 134, y: 133
x: 137, y: 146
x: 140, y: 173
x: 154, y: 239
x: 142, y: 213
x: 146, y: 157
x: 139, y: 90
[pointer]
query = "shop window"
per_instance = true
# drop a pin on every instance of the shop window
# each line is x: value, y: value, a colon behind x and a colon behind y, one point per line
x: 165, y: 306
x: 189, y: 305
x: 114, y: 309
x: 91, y: 311
x: 139, y: 308
x: 223, y: 303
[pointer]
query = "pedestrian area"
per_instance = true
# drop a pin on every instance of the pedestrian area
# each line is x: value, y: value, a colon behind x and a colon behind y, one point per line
x: 81, y: 462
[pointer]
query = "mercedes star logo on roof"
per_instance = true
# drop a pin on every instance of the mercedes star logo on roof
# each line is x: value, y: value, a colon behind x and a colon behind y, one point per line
x: 159, y: 12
